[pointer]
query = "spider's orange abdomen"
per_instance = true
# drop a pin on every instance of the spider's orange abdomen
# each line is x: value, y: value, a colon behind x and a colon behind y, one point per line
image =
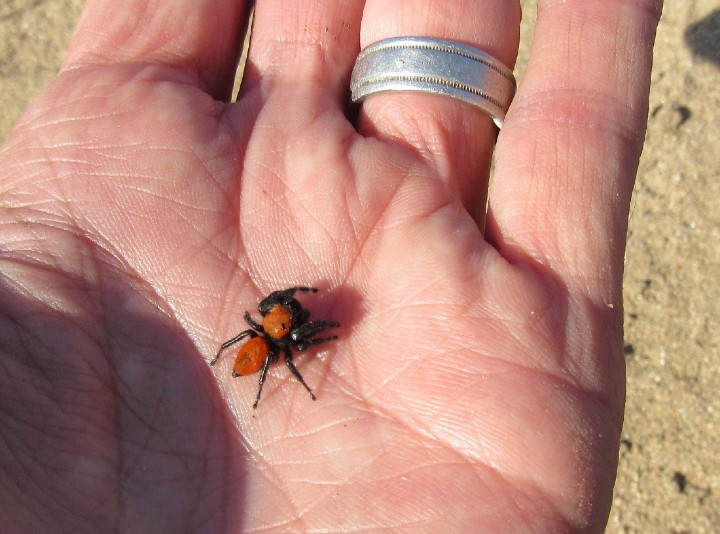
x: 251, y: 356
x: 278, y: 322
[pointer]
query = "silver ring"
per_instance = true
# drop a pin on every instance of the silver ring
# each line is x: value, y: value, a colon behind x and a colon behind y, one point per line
x: 434, y: 66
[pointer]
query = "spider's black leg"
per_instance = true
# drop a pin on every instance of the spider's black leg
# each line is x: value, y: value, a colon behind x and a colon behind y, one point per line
x: 249, y: 320
x: 232, y: 341
x: 303, y: 345
x: 304, y: 289
x: 302, y: 332
x: 282, y: 297
x: 263, y: 375
x: 295, y: 372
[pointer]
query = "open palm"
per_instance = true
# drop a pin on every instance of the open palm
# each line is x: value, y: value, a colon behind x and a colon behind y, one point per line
x: 477, y: 381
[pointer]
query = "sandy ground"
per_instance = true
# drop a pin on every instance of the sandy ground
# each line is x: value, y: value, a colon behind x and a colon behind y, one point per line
x: 669, y: 478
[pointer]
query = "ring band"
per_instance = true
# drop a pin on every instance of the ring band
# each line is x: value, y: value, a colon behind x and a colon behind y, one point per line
x: 435, y: 66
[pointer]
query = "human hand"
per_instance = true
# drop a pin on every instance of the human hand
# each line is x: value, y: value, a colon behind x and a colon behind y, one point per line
x: 478, y: 381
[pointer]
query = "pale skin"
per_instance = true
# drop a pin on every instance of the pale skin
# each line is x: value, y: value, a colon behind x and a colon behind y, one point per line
x: 477, y: 383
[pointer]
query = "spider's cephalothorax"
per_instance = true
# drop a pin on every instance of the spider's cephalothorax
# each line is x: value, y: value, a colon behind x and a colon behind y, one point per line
x: 285, y: 324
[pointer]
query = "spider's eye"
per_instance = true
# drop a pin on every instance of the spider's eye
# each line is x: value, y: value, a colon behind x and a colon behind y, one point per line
x: 278, y: 322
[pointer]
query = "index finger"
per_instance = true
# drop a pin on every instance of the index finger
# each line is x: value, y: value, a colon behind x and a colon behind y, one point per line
x: 201, y: 38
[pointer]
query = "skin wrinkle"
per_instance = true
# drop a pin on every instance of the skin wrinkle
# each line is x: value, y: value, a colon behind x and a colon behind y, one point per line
x: 551, y: 107
x: 125, y: 464
x: 144, y: 446
x: 348, y: 481
x: 431, y: 437
x: 102, y: 314
x: 418, y: 424
x: 564, y: 383
x: 565, y: 367
x: 41, y: 429
x: 39, y: 123
x: 649, y: 9
x: 515, y: 484
x: 285, y: 495
x: 312, y: 52
x: 19, y: 461
x: 227, y: 312
x: 363, y: 237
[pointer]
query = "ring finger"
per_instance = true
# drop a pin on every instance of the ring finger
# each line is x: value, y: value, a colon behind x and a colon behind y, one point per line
x: 456, y: 137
